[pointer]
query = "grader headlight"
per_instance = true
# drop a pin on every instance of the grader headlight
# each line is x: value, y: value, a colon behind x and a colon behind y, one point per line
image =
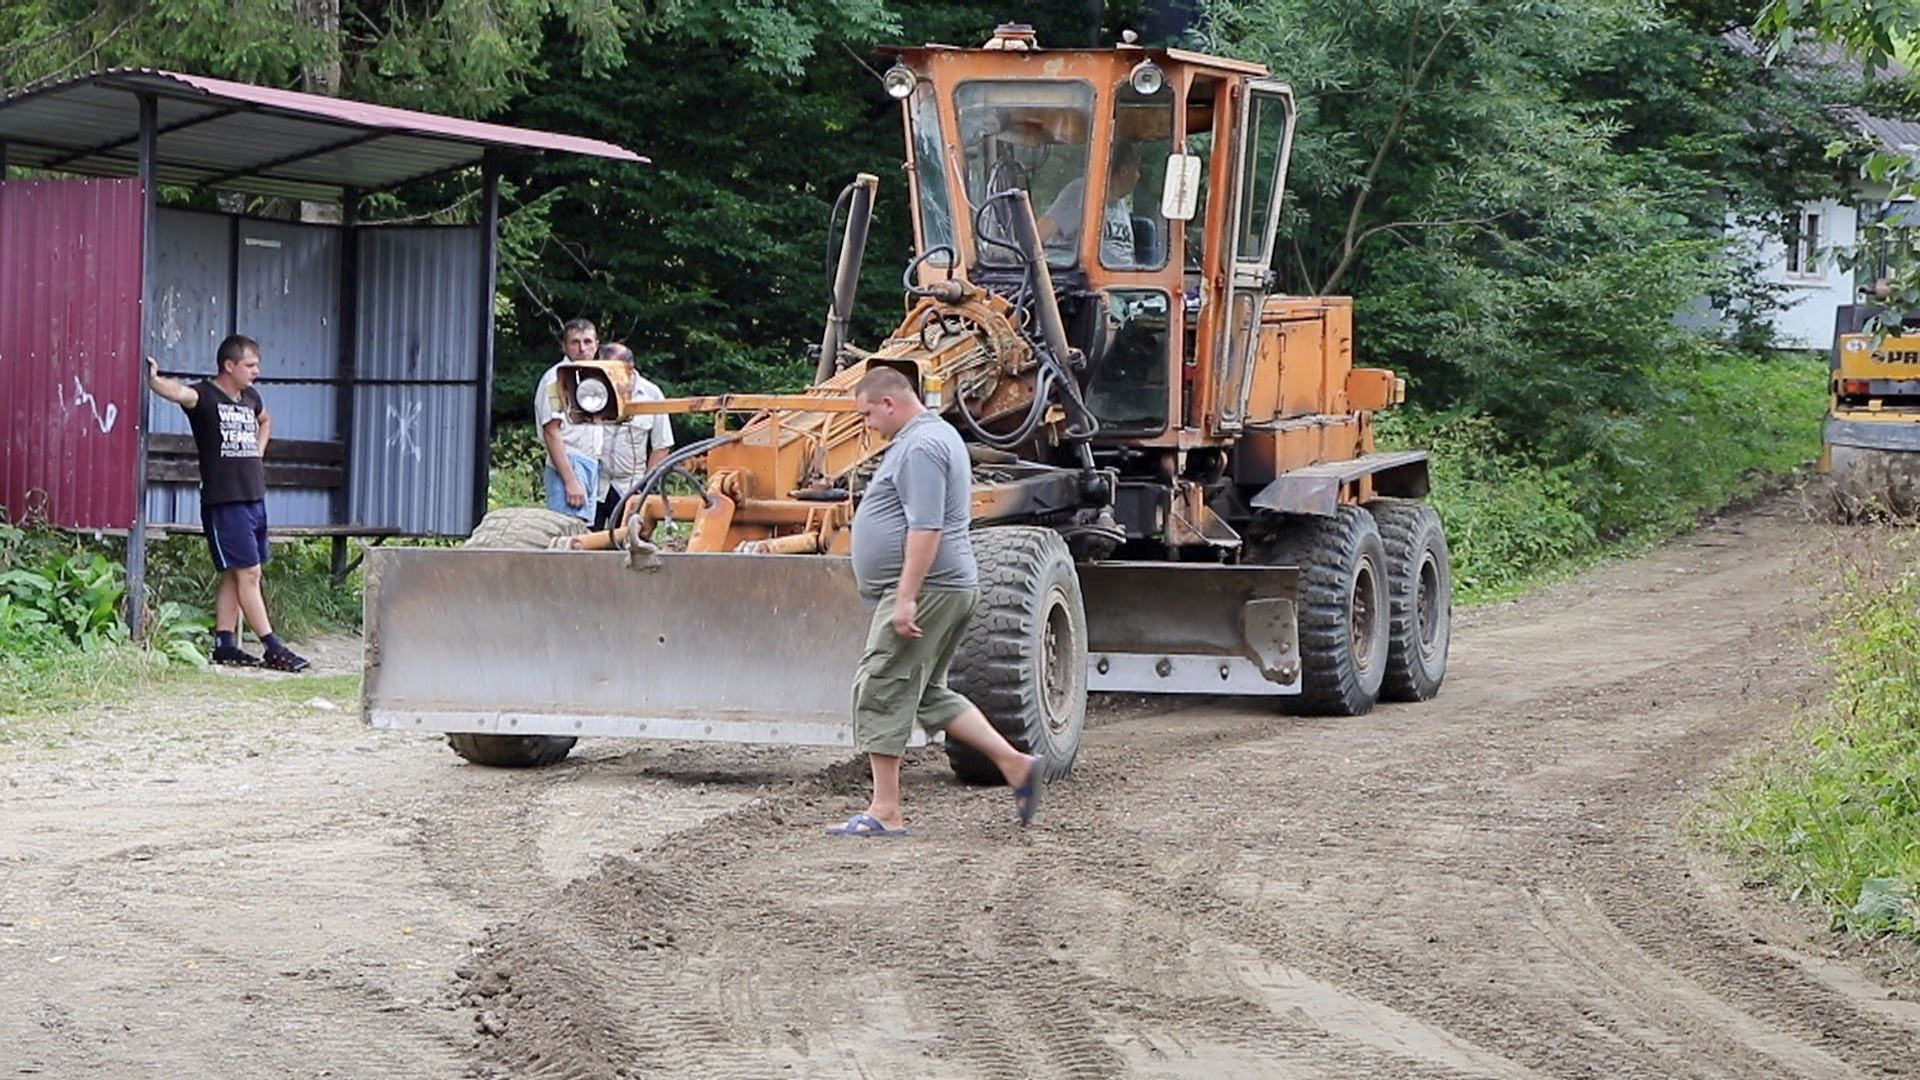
x: 899, y: 81
x: 590, y: 391
x: 1146, y: 78
x: 592, y: 394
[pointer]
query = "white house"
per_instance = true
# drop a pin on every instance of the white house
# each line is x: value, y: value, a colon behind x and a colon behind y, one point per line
x: 1811, y: 267
x: 1808, y: 269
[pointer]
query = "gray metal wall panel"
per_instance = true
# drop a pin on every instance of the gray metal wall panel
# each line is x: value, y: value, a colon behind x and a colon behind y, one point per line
x: 193, y: 284
x: 419, y: 319
x: 179, y: 505
x: 299, y: 410
x: 289, y: 297
x: 413, y: 458
x: 419, y: 303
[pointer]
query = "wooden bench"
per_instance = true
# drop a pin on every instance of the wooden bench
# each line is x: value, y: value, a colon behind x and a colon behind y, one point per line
x: 303, y: 463
x: 307, y: 463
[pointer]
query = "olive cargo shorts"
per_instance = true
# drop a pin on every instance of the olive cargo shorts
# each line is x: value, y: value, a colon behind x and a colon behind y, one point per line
x: 903, y: 681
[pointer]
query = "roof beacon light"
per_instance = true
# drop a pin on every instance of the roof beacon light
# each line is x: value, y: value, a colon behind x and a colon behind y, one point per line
x: 899, y: 81
x: 1147, y: 79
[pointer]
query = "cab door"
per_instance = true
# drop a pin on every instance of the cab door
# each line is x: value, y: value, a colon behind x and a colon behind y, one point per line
x: 1263, y: 140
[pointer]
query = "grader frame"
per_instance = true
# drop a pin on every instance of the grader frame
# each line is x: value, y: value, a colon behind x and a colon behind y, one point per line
x: 1176, y: 488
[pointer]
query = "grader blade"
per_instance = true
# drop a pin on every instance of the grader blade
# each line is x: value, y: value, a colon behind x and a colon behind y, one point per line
x: 727, y: 648
x: 1191, y: 628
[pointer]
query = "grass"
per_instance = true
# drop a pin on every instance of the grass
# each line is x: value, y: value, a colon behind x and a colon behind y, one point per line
x: 63, y: 645
x: 1725, y: 427
x: 1834, y: 819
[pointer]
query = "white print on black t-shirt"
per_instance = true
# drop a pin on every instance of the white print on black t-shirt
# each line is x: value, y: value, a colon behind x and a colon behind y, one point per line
x: 239, y: 431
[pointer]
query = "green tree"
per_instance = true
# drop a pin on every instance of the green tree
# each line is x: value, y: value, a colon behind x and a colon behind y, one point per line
x: 713, y: 262
x: 466, y: 57
x: 1521, y: 196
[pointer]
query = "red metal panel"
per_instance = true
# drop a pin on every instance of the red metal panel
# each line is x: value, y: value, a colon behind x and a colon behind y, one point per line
x: 70, y: 365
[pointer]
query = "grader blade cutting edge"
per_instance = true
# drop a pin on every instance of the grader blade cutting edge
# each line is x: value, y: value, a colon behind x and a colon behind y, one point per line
x: 1191, y: 628
x: 728, y: 648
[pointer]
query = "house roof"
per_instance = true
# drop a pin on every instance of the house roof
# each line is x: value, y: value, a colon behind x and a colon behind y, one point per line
x: 221, y: 134
x: 1895, y: 136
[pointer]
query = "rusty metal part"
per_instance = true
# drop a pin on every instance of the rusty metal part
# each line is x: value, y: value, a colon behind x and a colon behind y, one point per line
x: 743, y: 403
x: 1321, y: 489
x: 1179, y: 619
x: 806, y: 543
x: 1192, y: 523
x: 1009, y: 496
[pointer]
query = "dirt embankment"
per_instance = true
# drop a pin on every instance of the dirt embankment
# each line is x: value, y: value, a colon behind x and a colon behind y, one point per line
x: 1497, y: 883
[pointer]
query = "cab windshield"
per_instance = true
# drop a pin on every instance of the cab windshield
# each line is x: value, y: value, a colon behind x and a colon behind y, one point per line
x: 1031, y: 135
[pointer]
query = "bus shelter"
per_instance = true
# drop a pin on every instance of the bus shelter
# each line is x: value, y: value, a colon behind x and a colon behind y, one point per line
x: 376, y: 339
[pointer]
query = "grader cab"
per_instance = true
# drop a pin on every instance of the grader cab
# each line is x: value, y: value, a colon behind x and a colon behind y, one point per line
x: 1175, y: 483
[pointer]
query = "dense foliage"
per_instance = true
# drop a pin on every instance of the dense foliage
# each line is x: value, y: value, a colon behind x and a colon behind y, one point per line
x: 1520, y: 195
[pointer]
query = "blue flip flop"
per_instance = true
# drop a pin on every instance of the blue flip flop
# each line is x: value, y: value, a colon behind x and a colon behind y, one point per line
x: 865, y: 825
x: 1026, y: 797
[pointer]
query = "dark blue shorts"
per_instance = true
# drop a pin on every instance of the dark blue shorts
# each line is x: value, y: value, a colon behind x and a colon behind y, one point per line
x: 236, y: 533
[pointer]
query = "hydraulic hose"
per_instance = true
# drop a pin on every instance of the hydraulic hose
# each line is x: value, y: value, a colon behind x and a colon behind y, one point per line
x: 653, y: 477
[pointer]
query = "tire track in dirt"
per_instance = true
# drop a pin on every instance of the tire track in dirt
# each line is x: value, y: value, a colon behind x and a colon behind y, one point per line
x: 1492, y: 884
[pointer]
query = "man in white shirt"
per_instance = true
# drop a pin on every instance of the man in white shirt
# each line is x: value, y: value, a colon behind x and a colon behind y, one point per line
x: 573, y: 480
x: 634, y: 445
x: 1060, y: 225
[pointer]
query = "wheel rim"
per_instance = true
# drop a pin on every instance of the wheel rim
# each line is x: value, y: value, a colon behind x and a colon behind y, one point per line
x: 1427, y: 597
x: 1058, y: 679
x: 1363, y: 615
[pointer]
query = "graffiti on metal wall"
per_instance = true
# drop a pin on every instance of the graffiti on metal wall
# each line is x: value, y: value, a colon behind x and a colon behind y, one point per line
x: 102, y: 419
x: 403, y: 428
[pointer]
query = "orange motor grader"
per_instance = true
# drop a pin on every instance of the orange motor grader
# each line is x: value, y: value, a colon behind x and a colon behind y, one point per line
x: 1175, y: 484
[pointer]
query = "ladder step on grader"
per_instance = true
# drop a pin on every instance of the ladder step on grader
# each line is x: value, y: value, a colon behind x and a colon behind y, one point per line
x: 1175, y: 483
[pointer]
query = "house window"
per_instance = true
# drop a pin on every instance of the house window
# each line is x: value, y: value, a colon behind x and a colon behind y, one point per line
x: 1803, y: 246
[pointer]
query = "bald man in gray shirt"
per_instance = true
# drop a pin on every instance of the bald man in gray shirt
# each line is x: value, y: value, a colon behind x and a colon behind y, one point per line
x: 913, y: 561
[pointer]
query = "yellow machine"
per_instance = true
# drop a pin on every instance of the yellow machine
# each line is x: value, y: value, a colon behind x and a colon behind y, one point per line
x: 1175, y: 484
x: 1871, y: 443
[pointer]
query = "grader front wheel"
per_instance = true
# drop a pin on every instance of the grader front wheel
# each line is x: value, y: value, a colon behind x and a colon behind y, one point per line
x: 517, y: 528
x: 1023, y: 659
x: 1344, y: 611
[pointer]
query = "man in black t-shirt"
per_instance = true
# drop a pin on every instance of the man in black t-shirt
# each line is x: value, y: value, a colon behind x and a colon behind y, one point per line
x: 230, y: 429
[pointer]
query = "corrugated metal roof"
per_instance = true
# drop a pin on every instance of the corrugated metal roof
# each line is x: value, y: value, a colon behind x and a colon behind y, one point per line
x: 1897, y: 136
x: 231, y: 135
x: 71, y: 375
x: 1810, y: 54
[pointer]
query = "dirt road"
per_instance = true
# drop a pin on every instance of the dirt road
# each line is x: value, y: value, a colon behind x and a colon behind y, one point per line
x: 1499, y: 883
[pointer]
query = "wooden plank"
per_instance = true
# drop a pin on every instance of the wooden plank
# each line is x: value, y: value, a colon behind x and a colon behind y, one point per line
x: 162, y: 530
x: 309, y: 451
x: 278, y: 474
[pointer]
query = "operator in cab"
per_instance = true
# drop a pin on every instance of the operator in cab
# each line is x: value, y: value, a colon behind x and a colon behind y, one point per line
x: 1060, y: 225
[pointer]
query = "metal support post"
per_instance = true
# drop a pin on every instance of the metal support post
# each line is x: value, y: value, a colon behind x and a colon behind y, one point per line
x: 137, y: 535
x: 489, y: 283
